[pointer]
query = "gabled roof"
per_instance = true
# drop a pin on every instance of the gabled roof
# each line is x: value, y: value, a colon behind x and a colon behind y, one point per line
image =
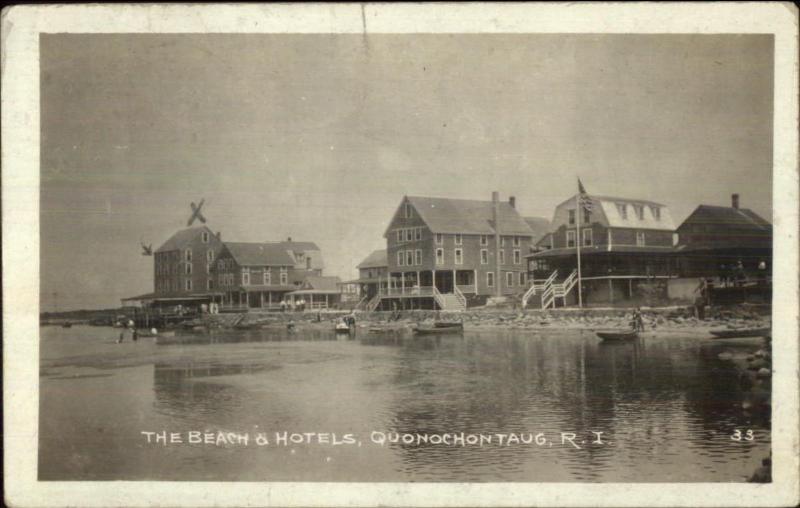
x: 322, y: 283
x: 377, y: 259
x: 607, y: 207
x: 298, y: 246
x: 179, y: 240
x: 467, y: 216
x: 539, y: 225
x: 726, y: 217
x: 259, y: 254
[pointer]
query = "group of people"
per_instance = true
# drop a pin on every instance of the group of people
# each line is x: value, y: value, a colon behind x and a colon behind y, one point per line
x: 298, y: 305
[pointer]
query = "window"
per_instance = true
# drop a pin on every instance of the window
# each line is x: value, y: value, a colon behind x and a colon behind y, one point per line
x: 622, y: 208
x: 208, y: 267
x: 408, y: 210
x: 417, y: 257
x: 484, y: 240
x: 210, y: 284
x: 640, y: 239
x: 459, y: 255
x: 484, y: 257
x: 401, y: 258
x: 490, y: 279
x: 409, y: 235
x: 510, y: 279
x: 205, y: 236
x: 639, y: 211
x: 188, y: 269
x: 188, y: 255
x: 571, y: 217
x: 439, y: 256
x: 517, y: 257
x: 400, y: 235
x: 409, y: 258
x: 245, y: 276
x: 459, y: 240
x: 522, y: 279
x: 587, y: 237
x: 570, y: 238
x: 502, y: 257
x: 502, y: 241
x: 284, y: 276
x: 587, y: 216
x: 267, y: 276
x: 516, y: 241
x: 418, y: 234
x: 656, y: 211
x: 439, y: 238
x: 308, y: 263
x: 188, y: 284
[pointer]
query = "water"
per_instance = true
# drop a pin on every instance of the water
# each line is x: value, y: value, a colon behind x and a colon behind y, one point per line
x: 666, y: 407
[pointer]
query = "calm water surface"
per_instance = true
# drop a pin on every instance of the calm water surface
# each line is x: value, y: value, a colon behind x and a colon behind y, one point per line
x: 666, y: 407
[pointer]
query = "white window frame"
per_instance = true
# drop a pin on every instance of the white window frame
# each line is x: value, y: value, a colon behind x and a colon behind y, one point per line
x: 641, y: 239
x: 522, y: 280
x: 585, y: 237
x: 571, y: 216
x: 638, y: 210
x: 458, y: 255
x: 517, y: 257
x: 515, y: 241
x: 571, y: 234
x: 407, y: 210
x: 484, y: 256
x: 622, y: 209
x: 458, y: 239
x: 502, y: 241
x: 188, y: 270
x: 655, y: 211
x: 490, y: 279
x: 484, y: 240
x: 401, y: 258
x: 509, y: 279
x: 210, y: 256
x: 284, y: 277
x: 418, y: 257
x: 409, y: 258
x: 267, y: 276
x: 245, y: 276
x: 188, y: 284
x: 400, y: 236
x: 204, y: 237
x: 502, y: 256
x: 439, y: 239
x: 439, y: 256
x: 417, y: 234
x: 187, y: 255
x: 409, y: 235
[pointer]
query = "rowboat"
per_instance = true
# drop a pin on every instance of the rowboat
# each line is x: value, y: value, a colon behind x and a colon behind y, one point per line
x: 618, y: 336
x: 342, y: 328
x: 736, y: 333
x: 439, y: 328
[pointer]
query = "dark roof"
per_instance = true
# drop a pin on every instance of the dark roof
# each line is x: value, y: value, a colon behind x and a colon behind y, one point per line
x: 467, y: 216
x: 259, y: 254
x: 539, y: 225
x: 601, y: 249
x: 299, y: 246
x: 181, y: 238
x: 729, y: 217
x: 322, y: 283
x: 617, y: 200
x: 377, y: 259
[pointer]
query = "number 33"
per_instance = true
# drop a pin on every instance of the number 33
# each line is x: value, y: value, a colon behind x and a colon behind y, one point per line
x: 748, y: 436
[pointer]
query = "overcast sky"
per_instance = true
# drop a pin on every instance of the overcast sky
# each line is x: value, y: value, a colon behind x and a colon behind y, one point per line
x: 318, y: 137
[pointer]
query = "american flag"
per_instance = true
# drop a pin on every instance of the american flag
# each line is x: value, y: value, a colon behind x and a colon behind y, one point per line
x: 585, y: 200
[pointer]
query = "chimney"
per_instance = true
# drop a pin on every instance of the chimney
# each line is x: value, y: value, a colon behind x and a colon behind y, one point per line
x: 219, y: 235
x: 512, y: 201
x: 735, y: 201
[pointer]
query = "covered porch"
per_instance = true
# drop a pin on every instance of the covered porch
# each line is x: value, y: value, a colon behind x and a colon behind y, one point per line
x: 253, y: 297
x: 423, y: 283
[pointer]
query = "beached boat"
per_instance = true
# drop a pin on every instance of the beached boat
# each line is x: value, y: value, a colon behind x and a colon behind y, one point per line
x: 66, y: 325
x: 736, y: 333
x: 618, y: 335
x: 439, y: 328
x: 342, y: 328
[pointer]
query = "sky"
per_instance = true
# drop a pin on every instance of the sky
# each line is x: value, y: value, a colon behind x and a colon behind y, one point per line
x: 319, y: 137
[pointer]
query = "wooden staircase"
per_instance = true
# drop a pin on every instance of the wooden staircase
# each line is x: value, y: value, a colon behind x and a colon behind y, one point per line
x: 550, y: 290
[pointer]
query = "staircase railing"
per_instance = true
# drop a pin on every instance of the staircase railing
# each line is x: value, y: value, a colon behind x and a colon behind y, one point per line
x: 538, y: 287
x: 461, y: 298
x: 439, y: 299
x: 373, y: 304
x: 362, y: 302
x: 548, y: 297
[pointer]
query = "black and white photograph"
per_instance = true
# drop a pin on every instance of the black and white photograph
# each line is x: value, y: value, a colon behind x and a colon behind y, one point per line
x: 407, y: 257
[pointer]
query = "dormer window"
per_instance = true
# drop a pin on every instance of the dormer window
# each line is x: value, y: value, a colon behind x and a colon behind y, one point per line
x: 639, y: 211
x: 656, y: 211
x: 571, y: 217
x: 622, y: 208
x: 408, y: 210
x: 204, y: 236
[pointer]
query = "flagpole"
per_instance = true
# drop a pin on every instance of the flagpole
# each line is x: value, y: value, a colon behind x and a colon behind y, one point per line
x: 578, y: 213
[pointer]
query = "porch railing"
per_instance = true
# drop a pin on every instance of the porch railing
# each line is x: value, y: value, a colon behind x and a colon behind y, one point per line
x: 538, y: 286
x: 409, y: 291
x: 466, y: 289
x: 461, y: 298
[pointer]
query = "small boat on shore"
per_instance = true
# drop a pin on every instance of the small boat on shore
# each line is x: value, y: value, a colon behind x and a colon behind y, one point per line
x: 342, y: 328
x: 66, y: 325
x: 618, y: 335
x: 439, y: 328
x: 738, y: 333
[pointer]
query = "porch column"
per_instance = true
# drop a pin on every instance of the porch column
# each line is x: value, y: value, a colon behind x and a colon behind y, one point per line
x: 261, y: 298
x: 630, y: 288
x: 403, y: 282
x: 475, y: 281
x: 269, y: 298
x: 454, y: 280
x: 610, y: 291
x: 433, y: 278
x: 418, y: 283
